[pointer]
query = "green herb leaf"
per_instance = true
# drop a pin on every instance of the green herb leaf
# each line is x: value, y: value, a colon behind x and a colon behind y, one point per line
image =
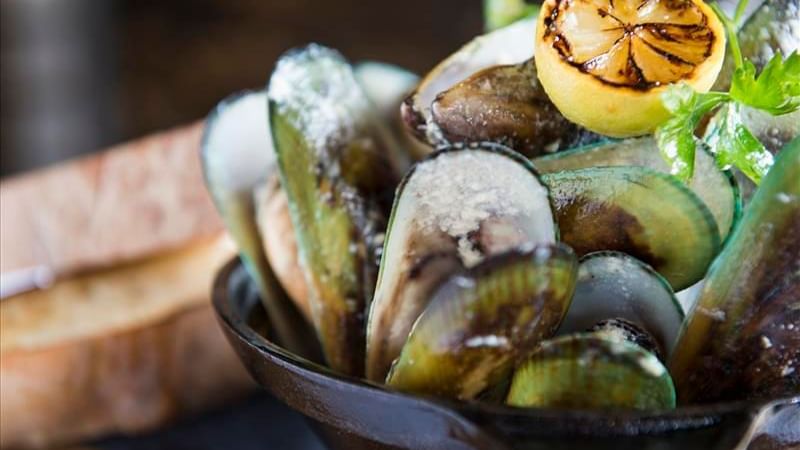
x: 675, y: 137
x: 734, y: 145
x: 775, y: 90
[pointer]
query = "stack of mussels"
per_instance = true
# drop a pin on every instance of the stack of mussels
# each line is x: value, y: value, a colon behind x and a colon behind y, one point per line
x: 499, y: 267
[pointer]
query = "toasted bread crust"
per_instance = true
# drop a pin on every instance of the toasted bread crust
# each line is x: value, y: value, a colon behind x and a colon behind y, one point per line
x: 125, y: 340
x: 127, y: 382
x: 123, y: 204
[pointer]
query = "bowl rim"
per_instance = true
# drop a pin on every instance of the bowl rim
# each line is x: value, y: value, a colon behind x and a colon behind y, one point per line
x: 614, y: 422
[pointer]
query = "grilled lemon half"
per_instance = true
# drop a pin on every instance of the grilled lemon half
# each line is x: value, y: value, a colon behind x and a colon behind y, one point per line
x: 605, y: 63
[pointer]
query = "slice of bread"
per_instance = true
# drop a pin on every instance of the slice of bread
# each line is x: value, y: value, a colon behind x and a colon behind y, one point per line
x: 125, y: 340
x: 123, y: 204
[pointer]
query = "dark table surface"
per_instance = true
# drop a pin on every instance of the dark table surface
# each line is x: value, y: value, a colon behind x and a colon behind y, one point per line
x: 257, y: 423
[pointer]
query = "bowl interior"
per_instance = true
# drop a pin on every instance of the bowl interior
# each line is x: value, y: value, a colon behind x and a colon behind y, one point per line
x: 371, y: 411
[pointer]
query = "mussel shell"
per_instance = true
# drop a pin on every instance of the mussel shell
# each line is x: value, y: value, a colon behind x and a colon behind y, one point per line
x: 237, y: 155
x: 449, y: 214
x: 479, y: 323
x: 588, y: 371
x: 613, y: 285
x: 647, y: 214
x: 742, y: 339
x: 339, y: 174
x: 387, y: 86
x: 509, y: 45
x: 505, y: 104
x: 717, y: 188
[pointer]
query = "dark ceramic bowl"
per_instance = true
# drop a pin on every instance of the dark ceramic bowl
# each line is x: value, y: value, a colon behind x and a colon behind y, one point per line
x: 355, y: 414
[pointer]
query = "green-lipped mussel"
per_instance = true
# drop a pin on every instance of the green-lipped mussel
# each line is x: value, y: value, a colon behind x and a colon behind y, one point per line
x: 613, y: 285
x: 338, y: 171
x: 505, y: 104
x: 387, y: 86
x: 448, y: 215
x: 742, y: 339
x: 470, y: 282
x: 646, y: 214
x: 237, y: 157
x: 488, y: 91
x: 715, y: 187
x: 480, y: 322
x: 592, y: 370
x: 622, y: 317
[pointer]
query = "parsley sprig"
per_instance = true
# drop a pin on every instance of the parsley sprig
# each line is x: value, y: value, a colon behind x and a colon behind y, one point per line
x: 775, y: 90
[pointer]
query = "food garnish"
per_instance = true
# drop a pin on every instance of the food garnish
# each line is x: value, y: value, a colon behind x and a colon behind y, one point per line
x: 606, y: 63
x: 775, y: 90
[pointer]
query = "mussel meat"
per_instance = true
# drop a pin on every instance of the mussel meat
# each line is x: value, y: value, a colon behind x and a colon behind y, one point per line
x: 488, y: 91
x: 505, y: 104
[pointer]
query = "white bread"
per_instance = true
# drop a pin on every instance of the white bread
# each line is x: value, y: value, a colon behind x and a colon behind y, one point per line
x: 120, y: 205
x: 126, y: 340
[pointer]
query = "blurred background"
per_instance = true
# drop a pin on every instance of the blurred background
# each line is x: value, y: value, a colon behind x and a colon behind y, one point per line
x: 80, y: 75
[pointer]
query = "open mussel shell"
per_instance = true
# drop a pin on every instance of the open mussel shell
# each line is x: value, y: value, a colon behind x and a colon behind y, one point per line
x: 338, y: 173
x: 387, y: 86
x: 505, y: 104
x: 613, y: 285
x: 715, y: 187
x: 742, y: 339
x: 509, y: 45
x: 649, y: 215
x: 451, y: 211
x: 237, y: 157
x: 590, y: 371
x: 480, y: 322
